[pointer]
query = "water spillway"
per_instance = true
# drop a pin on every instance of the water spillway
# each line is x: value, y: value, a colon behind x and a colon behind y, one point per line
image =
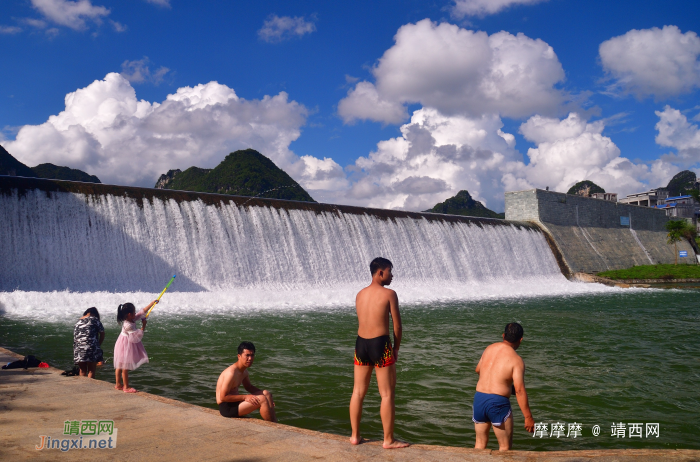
x: 84, y: 238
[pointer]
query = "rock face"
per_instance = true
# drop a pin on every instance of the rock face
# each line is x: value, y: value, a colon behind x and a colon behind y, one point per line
x: 241, y: 173
x: 12, y: 167
x: 56, y: 172
x: 681, y: 182
x: 166, y: 178
x: 463, y: 204
x: 585, y: 188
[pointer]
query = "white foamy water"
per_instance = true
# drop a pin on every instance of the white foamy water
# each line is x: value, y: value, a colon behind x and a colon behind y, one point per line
x: 63, y: 252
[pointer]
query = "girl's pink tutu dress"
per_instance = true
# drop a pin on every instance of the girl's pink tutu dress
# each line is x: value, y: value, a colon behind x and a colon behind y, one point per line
x: 129, y: 352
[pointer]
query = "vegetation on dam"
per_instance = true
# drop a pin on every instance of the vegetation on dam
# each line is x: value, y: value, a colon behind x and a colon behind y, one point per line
x: 668, y: 272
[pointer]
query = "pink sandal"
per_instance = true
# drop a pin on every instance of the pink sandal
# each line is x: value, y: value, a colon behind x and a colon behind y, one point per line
x: 130, y: 390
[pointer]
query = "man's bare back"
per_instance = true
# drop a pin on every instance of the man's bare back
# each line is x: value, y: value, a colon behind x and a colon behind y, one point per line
x: 373, y: 304
x: 500, y: 369
x: 496, y: 368
x: 374, y: 350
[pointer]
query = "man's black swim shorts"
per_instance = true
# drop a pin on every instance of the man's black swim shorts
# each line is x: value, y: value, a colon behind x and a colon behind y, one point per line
x: 229, y: 409
x: 376, y: 351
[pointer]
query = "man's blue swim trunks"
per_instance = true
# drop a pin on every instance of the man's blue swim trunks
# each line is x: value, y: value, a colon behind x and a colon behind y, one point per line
x: 488, y: 408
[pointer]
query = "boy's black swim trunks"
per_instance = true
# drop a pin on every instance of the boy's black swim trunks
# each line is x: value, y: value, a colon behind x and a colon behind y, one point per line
x: 229, y: 409
x: 376, y: 352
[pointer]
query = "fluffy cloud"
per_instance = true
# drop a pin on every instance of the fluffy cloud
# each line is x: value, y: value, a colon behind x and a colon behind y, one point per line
x: 462, y: 8
x: 653, y: 62
x: 105, y: 130
x: 139, y: 71
x: 73, y: 14
x: 363, y: 102
x: 459, y: 72
x: 278, y: 29
x: 571, y: 150
x: 675, y: 131
x: 438, y: 155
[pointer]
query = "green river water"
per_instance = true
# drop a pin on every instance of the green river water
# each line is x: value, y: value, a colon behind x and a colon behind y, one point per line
x: 628, y: 356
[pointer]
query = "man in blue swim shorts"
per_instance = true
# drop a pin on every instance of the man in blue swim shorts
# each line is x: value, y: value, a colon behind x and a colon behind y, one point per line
x: 500, y: 369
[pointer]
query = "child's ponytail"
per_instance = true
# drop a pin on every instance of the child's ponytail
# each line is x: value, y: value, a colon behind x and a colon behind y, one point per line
x: 123, y: 310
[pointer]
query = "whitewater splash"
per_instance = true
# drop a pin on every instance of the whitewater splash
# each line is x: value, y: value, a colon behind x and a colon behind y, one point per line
x: 64, y: 251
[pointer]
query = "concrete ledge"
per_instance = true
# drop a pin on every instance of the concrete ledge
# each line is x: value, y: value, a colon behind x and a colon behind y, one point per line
x: 585, y: 277
x: 654, y: 281
x: 37, y: 401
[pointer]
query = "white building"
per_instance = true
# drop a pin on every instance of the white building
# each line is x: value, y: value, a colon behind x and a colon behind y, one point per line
x: 649, y: 198
x: 612, y: 197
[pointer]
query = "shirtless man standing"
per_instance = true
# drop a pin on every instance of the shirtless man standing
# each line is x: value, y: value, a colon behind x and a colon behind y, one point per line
x: 231, y: 404
x: 499, y: 369
x: 373, y: 350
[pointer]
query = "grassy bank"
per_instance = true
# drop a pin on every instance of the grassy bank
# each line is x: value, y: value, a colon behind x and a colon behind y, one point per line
x: 668, y: 272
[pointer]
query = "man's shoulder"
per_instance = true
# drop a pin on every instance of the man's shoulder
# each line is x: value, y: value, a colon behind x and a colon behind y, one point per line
x: 388, y: 291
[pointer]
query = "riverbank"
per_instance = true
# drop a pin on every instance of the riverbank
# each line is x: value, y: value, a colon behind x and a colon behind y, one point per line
x: 37, y: 402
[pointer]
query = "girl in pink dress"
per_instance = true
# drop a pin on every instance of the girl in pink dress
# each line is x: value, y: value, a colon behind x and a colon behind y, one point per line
x: 129, y: 352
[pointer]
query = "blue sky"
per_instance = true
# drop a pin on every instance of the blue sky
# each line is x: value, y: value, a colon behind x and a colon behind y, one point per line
x: 396, y: 104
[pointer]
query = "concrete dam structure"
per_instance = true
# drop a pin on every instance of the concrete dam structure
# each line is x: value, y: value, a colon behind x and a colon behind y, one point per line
x: 594, y: 235
x: 86, y: 237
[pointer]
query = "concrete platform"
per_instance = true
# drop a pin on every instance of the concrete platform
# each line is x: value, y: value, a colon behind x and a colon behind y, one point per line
x: 37, y: 402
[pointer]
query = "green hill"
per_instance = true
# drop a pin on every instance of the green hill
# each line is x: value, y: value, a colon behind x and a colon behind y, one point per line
x: 241, y: 173
x: 56, y: 172
x: 463, y: 204
x: 681, y: 182
x: 12, y: 167
x: 585, y: 188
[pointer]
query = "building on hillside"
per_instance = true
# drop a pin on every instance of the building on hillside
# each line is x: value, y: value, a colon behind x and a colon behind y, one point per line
x: 612, y: 197
x: 680, y: 207
x: 650, y: 198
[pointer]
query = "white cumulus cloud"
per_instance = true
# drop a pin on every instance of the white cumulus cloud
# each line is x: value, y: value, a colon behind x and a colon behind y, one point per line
x: 280, y: 28
x: 462, y: 8
x: 459, y: 71
x: 434, y: 158
x: 653, y: 62
x: 437, y: 155
x: 363, y: 102
x: 105, y: 130
x: 675, y: 131
x: 72, y: 14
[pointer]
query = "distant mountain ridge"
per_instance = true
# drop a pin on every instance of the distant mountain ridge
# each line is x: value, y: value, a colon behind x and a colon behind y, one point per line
x: 12, y: 167
x: 56, y: 172
x: 241, y: 173
x: 463, y: 204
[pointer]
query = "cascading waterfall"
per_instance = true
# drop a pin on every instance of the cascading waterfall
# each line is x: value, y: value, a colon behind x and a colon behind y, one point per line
x: 228, y: 256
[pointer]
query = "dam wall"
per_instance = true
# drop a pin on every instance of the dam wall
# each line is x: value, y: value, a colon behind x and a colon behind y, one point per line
x: 86, y: 237
x: 594, y: 235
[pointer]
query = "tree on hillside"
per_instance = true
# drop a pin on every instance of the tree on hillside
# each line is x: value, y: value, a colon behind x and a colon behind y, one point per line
x: 585, y: 188
x: 677, y: 230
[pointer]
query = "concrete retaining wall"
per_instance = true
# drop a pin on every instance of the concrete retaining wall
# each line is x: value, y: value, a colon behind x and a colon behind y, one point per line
x: 595, y: 235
